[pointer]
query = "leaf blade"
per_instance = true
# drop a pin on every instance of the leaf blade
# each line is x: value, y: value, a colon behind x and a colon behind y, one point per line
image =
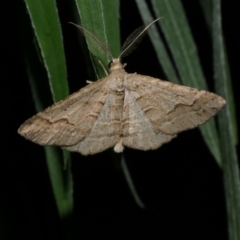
x: 45, y: 22
x: 160, y: 49
x: 100, y: 18
x: 229, y: 154
x: 46, y: 26
x: 177, y: 32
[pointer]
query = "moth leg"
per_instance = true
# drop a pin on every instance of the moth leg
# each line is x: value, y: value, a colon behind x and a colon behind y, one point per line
x: 104, y: 69
x: 89, y: 82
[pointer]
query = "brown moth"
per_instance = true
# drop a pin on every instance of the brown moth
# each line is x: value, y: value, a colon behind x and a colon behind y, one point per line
x: 121, y: 110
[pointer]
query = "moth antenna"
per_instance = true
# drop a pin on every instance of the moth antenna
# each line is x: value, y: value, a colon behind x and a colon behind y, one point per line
x: 99, y: 44
x: 134, y: 39
x: 126, y: 48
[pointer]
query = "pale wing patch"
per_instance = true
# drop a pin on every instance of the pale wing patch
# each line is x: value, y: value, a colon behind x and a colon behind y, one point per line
x: 138, y: 131
x: 106, y: 130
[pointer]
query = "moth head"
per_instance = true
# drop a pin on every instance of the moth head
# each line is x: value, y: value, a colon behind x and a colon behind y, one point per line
x: 116, y: 64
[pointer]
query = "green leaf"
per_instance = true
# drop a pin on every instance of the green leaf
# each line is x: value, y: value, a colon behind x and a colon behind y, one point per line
x: 184, y: 52
x: 160, y: 49
x: 178, y: 35
x: 229, y: 156
x: 207, y: 7
x: 45, y: 22
x: 100, y: 17
x: 130, y: 183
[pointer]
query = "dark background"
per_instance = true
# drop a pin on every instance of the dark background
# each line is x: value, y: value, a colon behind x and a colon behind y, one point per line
x: 180, y: 183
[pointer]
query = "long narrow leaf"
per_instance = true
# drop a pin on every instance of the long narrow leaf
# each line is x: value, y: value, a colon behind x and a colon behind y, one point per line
x: 178, y: 35
x: 100, y: 17
x: 157, y: 42
x: 229, y: 155
x: 130, y: 183
x: 45, y: 22
x: 207, y: 10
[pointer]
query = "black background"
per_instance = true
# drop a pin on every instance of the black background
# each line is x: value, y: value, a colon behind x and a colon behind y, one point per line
x: 180, y: 183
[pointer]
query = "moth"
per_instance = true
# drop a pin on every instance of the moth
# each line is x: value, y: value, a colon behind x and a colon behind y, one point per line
x: 121, y: 110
